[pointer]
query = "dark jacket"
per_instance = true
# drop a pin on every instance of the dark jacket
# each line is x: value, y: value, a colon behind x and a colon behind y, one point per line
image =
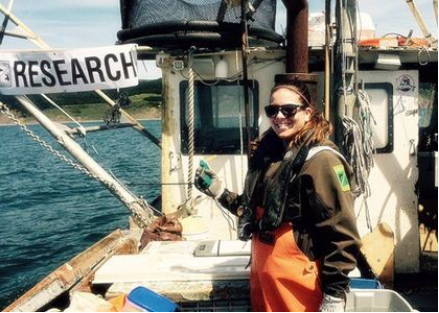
x: 316, y: 200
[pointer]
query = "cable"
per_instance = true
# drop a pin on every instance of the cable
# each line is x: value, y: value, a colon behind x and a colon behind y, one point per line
x: 360, y: 147
x: 81, y: 128
x: 227, y: 217
x: 6, y: 20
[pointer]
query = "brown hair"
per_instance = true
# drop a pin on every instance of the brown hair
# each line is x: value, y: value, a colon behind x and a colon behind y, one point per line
x: 318, y: 127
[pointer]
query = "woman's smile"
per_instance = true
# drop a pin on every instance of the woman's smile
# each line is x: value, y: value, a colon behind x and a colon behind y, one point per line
x: 282, y: 124
x: 287, y: 127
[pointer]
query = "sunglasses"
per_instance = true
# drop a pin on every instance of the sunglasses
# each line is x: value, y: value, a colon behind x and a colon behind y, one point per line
x: 288, y: 110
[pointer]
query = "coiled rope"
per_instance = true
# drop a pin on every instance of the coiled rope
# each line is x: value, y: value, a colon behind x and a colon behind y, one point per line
x: 360, y: 147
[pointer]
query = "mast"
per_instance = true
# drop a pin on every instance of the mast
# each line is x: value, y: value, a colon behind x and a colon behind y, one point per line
x: 297, y: 36
x: 327, y: 58
x: 244, y: 44
x: 297, y: 46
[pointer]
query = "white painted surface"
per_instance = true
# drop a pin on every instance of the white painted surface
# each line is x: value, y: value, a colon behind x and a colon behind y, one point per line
x: 393, y: 178
x: 171, y: 261
x: 231, y: 169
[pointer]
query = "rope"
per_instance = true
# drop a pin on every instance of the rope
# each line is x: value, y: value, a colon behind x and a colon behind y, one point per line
x: 191, y: 127
x: 227, y: 217
x: 359, y: 145
x: 352, y: 142
x: 428, y: 59
x: 241, y: 126
x: 366, y: 118
x: 81, y: 128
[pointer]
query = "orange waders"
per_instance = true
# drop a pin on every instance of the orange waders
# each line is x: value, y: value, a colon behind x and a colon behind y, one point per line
x: 282, y: 278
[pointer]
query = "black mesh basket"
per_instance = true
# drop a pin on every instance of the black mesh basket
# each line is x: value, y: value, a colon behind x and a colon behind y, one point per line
x: 180, y: 24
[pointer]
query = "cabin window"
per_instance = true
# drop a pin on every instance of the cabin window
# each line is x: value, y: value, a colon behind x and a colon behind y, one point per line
x: 219, y: 113
x: 381, y: 105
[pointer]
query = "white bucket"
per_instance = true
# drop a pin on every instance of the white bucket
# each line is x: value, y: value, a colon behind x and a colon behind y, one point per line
x: 376, y: 300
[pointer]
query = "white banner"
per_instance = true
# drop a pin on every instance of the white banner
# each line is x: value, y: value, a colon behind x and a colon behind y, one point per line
x: 55, y: 71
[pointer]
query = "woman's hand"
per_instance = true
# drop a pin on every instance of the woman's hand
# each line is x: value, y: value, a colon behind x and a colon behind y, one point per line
x: 208, y: 182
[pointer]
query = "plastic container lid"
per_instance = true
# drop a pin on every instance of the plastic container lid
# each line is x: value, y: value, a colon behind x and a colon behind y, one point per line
x: 148, y: 300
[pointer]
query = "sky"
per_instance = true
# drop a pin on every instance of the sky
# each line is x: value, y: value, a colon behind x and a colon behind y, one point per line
x: 94, y: 23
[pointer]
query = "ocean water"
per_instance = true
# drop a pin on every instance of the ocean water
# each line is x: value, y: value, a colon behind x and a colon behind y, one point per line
x: 49, y: 212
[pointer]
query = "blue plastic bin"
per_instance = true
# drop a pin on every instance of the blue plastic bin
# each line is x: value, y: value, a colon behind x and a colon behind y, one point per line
x: 362, y: 283
x: 143, y: 299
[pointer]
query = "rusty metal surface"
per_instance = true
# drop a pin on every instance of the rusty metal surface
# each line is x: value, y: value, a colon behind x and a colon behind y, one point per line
x: 69, y: 274
x: 297, y: 36
x: 128, y: 246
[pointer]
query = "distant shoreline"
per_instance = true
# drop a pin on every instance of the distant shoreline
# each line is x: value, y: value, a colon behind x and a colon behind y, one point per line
x: 2, y: 124
x: 140, y: 115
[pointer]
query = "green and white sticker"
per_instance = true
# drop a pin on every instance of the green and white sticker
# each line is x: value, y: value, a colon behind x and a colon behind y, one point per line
x: 342, y: 178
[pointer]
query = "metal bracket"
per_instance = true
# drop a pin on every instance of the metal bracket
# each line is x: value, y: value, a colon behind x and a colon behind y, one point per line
x: 174, y: 161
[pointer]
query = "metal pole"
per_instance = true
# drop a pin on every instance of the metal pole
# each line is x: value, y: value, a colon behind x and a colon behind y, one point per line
x: 244, y: 39
x: 5, y: 21
x: 140, y: 211
x: 420, y: 21
x: 297, y: 36
x: 345, y: 64
x: 327, y: 58
x: 36, y: 39
x: 435, y: 9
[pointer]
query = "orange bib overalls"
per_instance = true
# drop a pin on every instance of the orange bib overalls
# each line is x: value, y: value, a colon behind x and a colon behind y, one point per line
x: 282, y: 278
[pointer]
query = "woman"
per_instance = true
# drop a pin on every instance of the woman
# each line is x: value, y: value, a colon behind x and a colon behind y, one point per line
x: 297, y: 209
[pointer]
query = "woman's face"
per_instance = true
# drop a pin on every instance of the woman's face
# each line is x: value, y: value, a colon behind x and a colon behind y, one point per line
x: 287, y: 126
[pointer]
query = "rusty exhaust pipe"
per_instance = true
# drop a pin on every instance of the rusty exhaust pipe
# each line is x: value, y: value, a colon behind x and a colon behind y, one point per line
x: 297, y: 36
x: 297, y: 46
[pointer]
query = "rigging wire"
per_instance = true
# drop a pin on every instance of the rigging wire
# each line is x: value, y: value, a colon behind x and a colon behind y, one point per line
x: 343, y: 53
x: 81, y: 128
x: 241, y: 133
x: 360, y: 147
x: 227, y: 217
x: 5, y: 21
